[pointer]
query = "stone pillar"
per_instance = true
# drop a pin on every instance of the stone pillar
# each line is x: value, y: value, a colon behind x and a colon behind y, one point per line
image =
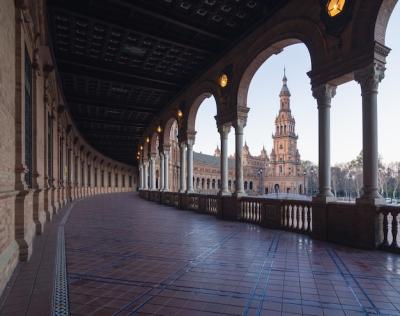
x: 153, y: 171
x: 224, y: 132
x: 369, y: 79
x: 145, y: 175
x: 182, y: 184
x: 162, y: 173
x: 166, y: 170
x: 189, y: 173
x: 239, y: 126
x: 140, y: 176
x: 324, y: 94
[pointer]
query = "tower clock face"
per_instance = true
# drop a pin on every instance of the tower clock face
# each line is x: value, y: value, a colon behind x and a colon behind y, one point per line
x: 335, y: 7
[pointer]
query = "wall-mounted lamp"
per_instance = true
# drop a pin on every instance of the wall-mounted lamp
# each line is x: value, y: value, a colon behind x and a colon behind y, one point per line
x: 147, y: 140
x: 223, y: 80
x: 180, y: 114
x: 159, y: 129
x: 335, y: 7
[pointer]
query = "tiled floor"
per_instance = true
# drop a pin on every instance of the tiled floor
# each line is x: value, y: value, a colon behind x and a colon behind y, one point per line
x: 127, y: 256
x: 29, y: 291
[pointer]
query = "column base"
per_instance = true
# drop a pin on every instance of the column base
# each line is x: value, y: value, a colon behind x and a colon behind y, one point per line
x: 323, y: 199
x: 190, y: 192
x: 239, y: 194
x: 224, y: 193
x: 366, y: 200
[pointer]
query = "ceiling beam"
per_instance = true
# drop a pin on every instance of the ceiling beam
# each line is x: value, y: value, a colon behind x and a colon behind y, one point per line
x: 75, y: 69
x: 170, y: 20
x: 125, y: 26
x: 109, y: 104
x: 87, y: 63
x: 108, y: 122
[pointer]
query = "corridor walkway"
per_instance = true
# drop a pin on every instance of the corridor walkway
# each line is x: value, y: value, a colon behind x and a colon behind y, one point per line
x: 127, y: 256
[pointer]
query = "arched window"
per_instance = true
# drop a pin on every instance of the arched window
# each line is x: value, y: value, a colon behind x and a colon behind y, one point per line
x: 251, y: 185
x: 245, y: 185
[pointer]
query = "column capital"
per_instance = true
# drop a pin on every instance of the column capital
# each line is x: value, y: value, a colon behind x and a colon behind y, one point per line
x: 224, y: 129
x: 323, y: 94
x: 239, y: 123
x: 166, y: 149
x: 369, y: 77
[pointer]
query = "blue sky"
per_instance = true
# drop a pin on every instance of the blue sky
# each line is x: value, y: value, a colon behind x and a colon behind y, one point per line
x: 346, y: 130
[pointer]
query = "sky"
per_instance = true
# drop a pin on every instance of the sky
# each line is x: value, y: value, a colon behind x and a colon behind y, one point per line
x: 346, y: 124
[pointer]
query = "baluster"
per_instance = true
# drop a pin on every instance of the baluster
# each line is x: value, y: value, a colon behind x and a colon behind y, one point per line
x: 308, y: 219
x: 252, y: 212
x: 385, y: 229
x: 303, y: 224
x: 394, y: 230
x: 291, y: 216
x: 258, y: 212
x: 287, y: 216
x: 298, y: 210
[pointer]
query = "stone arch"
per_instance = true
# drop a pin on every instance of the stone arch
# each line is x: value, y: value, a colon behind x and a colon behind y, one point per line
x: 382, y: 20
x: 153, y: 143
x: 204, y: 90
x: 167, y: 130
x: 285, y: 34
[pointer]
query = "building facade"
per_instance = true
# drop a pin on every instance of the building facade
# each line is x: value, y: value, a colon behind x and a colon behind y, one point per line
x: 281, y: 171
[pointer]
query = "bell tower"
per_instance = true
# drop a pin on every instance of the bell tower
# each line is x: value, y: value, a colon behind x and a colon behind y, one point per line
x: 285, y: 153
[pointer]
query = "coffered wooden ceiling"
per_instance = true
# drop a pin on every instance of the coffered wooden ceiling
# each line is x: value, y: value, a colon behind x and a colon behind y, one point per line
x: 122, y: 61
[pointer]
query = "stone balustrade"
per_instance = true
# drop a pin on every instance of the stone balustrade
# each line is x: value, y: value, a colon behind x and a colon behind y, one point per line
x: 354, y: 225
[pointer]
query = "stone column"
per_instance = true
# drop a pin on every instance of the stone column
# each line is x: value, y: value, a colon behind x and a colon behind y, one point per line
x: 153, y: 171
x: 239, y: 126
x: 224, y: 132
x: 182, y: 184
x: 166, y: 169
x: 162, y: 174
x: 145, y: 175
x: 324, y: 94
x: 369, y: 79
x: 189, y: 173
x: 140, y: 176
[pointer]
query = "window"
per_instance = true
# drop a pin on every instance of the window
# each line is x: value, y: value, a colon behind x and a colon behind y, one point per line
x: 49, y: 147
x: 61, y: 159
x: 76, y: 169
x: 28, y: 120
x: 130, y: 181
x: 109, y: 179
x: 69, y: 165
x: 82, y: 174
x: 102, y: 178
x: 116, y: 180
x: 123, y: 181
x: 88, y: 176
x: 95, y: 177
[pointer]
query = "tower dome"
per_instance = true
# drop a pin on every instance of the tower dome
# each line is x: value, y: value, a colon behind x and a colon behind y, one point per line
x: 285, y: 90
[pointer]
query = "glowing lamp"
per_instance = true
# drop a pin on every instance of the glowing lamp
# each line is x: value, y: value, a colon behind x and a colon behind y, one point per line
x: 180, y: 114
x: 223, y: 80
x: 147, y: 140
x: 159, y: 129
x: 335, y: 7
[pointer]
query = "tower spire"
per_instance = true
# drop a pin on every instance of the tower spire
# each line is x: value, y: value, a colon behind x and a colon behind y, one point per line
x: 285, y: 90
